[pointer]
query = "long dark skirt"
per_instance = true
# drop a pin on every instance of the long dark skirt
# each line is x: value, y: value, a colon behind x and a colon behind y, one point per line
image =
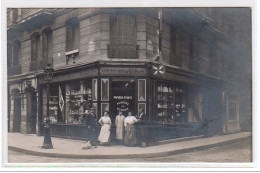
x: 144, y: 135
x: 130, y: 135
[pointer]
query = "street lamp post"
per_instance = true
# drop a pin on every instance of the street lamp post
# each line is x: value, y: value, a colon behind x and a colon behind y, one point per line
x: 48, y: 74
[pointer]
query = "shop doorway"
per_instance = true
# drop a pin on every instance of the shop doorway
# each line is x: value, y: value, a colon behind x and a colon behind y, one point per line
x: 17, y: 111
x: 123, y: 97
x: 31, y: 108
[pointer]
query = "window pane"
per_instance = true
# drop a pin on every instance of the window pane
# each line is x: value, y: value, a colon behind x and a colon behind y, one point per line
x: 123, y: 36
x: 94, y: 88
x: 141, y: 89
x: 104, y: 89
x: 104, y: 107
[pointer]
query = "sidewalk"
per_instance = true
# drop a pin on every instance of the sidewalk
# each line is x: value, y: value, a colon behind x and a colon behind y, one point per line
x: 31, y: 144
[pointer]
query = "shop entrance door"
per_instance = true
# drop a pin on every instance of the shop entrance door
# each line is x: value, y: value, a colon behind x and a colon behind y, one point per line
x: 17, y: 112
x: 31, y: 109
x: 123, y: 98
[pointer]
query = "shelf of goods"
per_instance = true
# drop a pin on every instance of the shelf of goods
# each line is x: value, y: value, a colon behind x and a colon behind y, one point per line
x: 53, y: 108
x: 78, y: 102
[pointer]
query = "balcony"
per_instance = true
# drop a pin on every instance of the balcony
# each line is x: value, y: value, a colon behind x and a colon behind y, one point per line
x: 29, y: 17
x: 14, y: 70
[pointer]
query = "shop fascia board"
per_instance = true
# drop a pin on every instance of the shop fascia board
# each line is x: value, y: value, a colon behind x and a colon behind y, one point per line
x: 21, y: 77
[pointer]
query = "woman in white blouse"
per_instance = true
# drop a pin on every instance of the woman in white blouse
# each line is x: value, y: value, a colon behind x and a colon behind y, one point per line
x: 130, y: 135
x: 104, y: 135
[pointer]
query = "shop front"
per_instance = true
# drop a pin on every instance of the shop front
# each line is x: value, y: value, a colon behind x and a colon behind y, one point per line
x: 172, y: 102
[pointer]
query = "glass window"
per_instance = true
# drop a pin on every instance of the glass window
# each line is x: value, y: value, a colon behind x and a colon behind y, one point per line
x: 47, y: 45
x: 123, y: 36
x: 16, y: 52
x: 9, y: 55
x: 94, y: 86
x: 72, y: 35
x: 95, y: 109
x: 104, y: 89
x: 104, y: 107
x: 142, y: 106
x: 141, y: 89
x: 171, y: 107
x: 35, y: 46
x: 232, y: 108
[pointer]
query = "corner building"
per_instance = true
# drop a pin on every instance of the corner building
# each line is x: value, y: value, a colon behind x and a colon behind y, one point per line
x: 103, y: 59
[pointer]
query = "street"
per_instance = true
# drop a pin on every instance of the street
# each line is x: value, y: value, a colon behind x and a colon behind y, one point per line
x: 235, y: 152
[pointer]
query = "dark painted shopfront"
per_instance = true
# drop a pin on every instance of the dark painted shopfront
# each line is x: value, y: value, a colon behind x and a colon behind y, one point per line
x: 175, y: 102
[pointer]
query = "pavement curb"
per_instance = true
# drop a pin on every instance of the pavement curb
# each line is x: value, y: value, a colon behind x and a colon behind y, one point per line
x: 127, y: 156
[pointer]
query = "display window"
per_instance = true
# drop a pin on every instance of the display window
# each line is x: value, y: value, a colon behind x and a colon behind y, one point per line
x: 104, y: 89
x: 141, y: 90
x: 95, y: 90
x: 171, y: 107
x: 142, y: 106
x: 78, y: 100
x: 104, y: 107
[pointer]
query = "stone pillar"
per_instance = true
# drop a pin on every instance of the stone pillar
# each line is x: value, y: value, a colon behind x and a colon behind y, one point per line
x: 24, y: 123
x: 11, y: 113
x: 37, y: 113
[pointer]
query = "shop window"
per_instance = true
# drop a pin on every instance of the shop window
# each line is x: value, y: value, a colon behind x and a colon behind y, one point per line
x: 54, y: 110
x: 72, y: 39
x: 123, y: 37
x: 142, y: 106
x: 171, y: 108
x: 95, y: 109
x: 141, y: 90
x: 78, y: 100
x: 47, y: 43
x: 104, y: 89
x: 95, y: 89
x: 104, y: 107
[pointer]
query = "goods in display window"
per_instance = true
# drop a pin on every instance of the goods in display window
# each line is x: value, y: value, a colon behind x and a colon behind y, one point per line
x: 170, y: 104
x: 78, y: 101
x: 53, y: 109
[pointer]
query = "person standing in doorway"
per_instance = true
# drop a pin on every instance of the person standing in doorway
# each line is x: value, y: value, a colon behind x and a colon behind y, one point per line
x: 130, y: 134
x: 91, y: 125
x: 104, y: 135
x: 143, y: 122
x: 119, y: 126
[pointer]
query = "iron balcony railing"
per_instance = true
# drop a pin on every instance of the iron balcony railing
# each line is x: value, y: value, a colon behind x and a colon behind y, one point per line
x: 17, y: 15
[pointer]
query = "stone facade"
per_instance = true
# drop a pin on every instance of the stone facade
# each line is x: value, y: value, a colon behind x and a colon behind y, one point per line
x: 210, y: 43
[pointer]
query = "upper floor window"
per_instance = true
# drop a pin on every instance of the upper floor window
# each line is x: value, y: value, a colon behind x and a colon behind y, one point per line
x: 72, y: 35
x: 16, y: 52
x: 35, y: 46
x: 47, y: 45
x: 175, y: 46
x: 123, y: 36
x: 13, y: 53
x: 9, y: 55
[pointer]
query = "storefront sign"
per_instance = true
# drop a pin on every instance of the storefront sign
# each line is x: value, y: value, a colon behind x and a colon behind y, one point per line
x: 122, y: 106
x: 120, y: 71
x: 74, y: 75
x: 122, y: 102
x: 123, y: 97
